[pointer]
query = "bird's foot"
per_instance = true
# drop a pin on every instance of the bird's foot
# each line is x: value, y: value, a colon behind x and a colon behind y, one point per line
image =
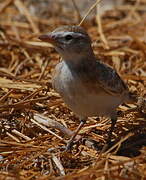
x: 78, y: 140
x: 69, y: 146
x: 74, y: 136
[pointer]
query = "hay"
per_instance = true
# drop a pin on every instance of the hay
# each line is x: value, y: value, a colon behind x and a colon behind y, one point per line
x: 35, y: 123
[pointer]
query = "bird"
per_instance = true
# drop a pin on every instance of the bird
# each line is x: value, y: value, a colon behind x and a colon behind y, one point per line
x: 88, y: 86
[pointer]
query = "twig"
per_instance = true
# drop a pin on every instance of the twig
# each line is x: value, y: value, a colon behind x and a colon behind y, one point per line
x: 100, y: 30
x: 118, y: 143
x: 3, y: 98
x: 19, y: 4
x: 22, y: 103
x: 88, y: 12
x: 139, y: 43
x: 4, y: 5
x: 13, y: 137
x: 77, y: 10
x: 134, y: 8
x: 43, y: 70
x: 16, y: 24
x: 16, y: 32
x: 5, y: 74
x: 52, y: 123
x: 58, y: 164
x: 21, y: 135
x: 46, y: 129
x: 32, y: 95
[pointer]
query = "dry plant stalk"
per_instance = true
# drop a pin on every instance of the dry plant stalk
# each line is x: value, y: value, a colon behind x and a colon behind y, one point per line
x: 88, y: 12
x: 34, y: 122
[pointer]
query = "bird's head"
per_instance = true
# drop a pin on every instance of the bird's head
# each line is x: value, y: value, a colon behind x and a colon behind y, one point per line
x: 69, y: 41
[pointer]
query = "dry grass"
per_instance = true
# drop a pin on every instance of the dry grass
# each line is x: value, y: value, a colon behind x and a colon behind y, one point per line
x: 31, y: 145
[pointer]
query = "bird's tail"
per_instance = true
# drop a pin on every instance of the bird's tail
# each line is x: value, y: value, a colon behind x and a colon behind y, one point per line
x: 139, y: 100
x: 132, y: 98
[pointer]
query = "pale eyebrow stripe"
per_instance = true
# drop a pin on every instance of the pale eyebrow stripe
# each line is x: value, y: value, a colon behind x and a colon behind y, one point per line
x: 64, y: 33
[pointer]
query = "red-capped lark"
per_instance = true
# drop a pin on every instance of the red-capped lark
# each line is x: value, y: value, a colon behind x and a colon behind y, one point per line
x: 88, y: 86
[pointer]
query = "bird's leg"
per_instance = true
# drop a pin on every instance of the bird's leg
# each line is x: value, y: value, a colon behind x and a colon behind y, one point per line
x: 70, y: 142
x: 113, y: 122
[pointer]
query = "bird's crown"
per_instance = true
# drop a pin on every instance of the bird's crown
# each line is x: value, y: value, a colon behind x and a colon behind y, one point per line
x: 74, y: 29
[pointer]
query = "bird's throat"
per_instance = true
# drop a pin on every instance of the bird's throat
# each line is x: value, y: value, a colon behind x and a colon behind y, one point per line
x: 84, y: 64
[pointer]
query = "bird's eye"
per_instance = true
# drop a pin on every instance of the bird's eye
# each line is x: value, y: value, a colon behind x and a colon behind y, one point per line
x: 68, y: 37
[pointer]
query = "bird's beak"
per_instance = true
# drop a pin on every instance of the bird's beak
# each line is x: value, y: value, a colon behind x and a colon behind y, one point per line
x: 48, y: 38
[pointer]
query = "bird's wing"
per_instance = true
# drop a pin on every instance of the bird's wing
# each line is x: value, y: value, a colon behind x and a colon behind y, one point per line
x: 110, y: 81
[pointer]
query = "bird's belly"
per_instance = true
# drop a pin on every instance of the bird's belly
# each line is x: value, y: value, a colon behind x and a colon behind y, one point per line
x: 85, y: 102
x: 92, y: 104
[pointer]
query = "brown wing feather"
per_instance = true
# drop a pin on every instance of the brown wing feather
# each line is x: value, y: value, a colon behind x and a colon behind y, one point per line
x: 109, y: 80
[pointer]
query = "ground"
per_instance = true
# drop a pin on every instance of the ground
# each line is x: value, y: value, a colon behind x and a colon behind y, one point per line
x: 35, y: 123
